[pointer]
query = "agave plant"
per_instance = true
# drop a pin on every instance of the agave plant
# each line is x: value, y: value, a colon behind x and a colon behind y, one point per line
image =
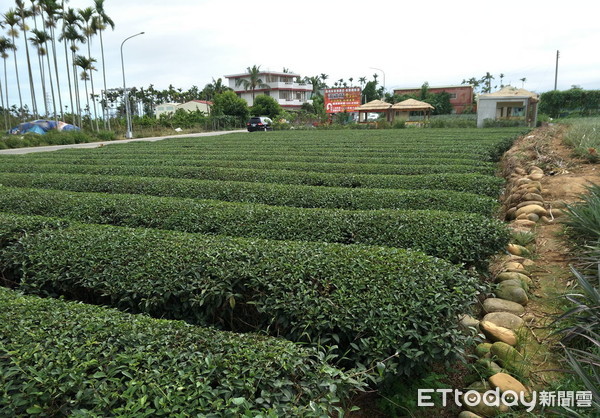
x: 584, y: 216
x: 584, y: 319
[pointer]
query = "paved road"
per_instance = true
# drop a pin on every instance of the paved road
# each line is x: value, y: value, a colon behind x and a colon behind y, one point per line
x: 121, y: 141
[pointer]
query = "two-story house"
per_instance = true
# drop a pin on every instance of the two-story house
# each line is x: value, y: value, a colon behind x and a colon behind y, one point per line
x: 285, y: 88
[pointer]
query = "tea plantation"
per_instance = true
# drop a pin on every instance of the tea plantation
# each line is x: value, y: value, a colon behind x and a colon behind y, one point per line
x: 246, y: 274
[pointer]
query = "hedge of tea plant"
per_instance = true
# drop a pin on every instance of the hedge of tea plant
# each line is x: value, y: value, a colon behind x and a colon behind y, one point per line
x: 465, y: 182
x: 371, y: 302
x: 455, y: 236
x: 62, y: 358
x: 266, y: 193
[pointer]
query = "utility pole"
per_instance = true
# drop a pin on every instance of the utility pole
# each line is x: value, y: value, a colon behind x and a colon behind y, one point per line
x: 556, y: 70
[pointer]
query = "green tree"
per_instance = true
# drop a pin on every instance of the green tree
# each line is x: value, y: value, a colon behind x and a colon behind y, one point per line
x: 52, y: 12
x: 265, y: 106
x: 5, y: 46
x: 87, y: 66
x: 90, y: 29
x: 252, y: 81
x: 24, y: 13
x: 39, y: 40
x: 101, y: 22
x: 11, y: 18
x: 371, y: 92
x: 70, y: 32
x: 228, y: 103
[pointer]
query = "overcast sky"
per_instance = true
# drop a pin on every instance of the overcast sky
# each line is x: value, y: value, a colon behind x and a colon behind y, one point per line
x: 190, y: 42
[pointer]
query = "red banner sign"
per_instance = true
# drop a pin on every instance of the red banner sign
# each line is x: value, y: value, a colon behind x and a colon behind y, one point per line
x: 342, y: 100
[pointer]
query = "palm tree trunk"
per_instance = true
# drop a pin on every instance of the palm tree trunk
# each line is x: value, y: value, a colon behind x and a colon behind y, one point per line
x: 70, y: 84
x: 76, y: 86
x: 62, y: 110
x: 18, y: 81
x: 50, y: 73
x: 106, y: 117
x: 92, y: 83
x: 6, y: 109
x: 43, y: 79
x: 29, y: 72
x: 3, y: 107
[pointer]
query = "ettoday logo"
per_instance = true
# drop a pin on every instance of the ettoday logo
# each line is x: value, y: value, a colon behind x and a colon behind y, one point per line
x: 508, y: 398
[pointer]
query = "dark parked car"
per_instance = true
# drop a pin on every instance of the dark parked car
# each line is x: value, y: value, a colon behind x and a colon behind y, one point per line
x: 259, y: 123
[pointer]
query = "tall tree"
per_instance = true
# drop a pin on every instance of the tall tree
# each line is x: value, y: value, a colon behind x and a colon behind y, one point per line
x: 5, y: 46
x: 24, y: 13
x: 70, y: 23
x: 71, y: 33
x: 39, y: 40
x: 87, y: 17
x: 87, y: 66
x: 11, y: 18
x: 52, y: 14
x: 253, y: 80
x: 101, y: 22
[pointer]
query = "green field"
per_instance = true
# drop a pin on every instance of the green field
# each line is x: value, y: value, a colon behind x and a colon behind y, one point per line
x: 354, y: 240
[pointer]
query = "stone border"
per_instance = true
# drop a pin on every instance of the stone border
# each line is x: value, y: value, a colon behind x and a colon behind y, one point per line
x: 504, y: 316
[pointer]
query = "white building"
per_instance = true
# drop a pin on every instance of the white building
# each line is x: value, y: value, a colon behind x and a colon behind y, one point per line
x: 285, y: 88
x: 509, y: 103
x: 191, y: 106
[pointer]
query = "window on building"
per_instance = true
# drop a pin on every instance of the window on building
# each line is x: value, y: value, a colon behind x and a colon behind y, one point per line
x: 452, y: 95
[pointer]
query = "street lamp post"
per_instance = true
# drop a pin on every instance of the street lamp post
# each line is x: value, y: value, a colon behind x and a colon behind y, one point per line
x: 383, y: 72
x: 129, y: 133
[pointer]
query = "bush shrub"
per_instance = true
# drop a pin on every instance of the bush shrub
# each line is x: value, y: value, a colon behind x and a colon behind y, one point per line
x: 271, y: 194
x: 372, y: 303
x: 63, y: 358
x: 468, y: 182
x: 457, y: 237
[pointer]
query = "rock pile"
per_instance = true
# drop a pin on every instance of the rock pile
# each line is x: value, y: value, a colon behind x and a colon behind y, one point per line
x: 503, y: 314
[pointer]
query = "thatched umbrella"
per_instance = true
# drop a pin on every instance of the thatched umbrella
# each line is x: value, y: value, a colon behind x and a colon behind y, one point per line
x: 374, y: 106
x: 411, y: 105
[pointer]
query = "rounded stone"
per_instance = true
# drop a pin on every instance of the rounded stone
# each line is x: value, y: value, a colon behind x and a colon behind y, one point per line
x: 533, y: 197
x: 535, y: 208
x: 480, y: 386
x: 496, y: 333
x: 504, y: 319
x: 467, y: 322
x: 506, y: 382
x: 491, y: 305
x: 506, y: 354
x: 536, y: 176
x: 518, y: 250
x: 510, y: 214
x: 514, y: 265
x: 512, y: 293
x: 483, y: 349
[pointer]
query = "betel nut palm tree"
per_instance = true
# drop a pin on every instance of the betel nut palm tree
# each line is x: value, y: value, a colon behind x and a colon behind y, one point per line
x: 252, y: 80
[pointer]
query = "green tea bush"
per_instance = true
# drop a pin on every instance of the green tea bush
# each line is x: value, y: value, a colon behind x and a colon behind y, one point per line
x: 371, y: 303
x: 457, y: 237
x: 271, y: 194
x: 69, y: 359
x: 472, y: 183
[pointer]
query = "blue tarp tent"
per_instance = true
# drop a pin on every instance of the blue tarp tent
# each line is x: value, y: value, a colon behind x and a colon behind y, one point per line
x: 41, y: 127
